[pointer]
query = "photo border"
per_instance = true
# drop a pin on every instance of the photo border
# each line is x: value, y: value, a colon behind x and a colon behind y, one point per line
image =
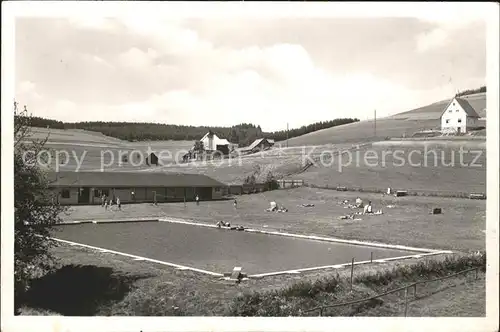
x: 11, y: 10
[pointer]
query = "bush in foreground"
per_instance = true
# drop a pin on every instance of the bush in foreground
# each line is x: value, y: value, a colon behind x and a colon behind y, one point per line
x: 35, y: 211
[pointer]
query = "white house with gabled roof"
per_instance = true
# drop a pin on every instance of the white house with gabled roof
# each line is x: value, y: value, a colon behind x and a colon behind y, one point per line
x: 213, y: 143
x: 458, y: 117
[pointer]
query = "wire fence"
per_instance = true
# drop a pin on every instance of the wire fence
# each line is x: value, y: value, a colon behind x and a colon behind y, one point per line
x: 406, y: 288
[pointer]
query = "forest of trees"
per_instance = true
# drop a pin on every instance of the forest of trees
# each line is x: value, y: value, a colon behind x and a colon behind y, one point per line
x: 242, y: 134
x: 471, y: 92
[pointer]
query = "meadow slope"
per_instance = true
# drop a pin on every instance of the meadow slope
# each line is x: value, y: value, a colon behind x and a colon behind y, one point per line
x: 405, y: 123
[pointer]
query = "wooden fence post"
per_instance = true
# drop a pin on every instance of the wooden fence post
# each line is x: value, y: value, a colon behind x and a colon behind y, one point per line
x: 415, y: 290
x: 321, y: 311
x: 371, y: 257
x: 406, y: 301
x: 352, y: 271
x: 477, y: 273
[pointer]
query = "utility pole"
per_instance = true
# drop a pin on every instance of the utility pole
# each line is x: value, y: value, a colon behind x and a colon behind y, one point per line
x: 287, y: 134
x: 375, y: 124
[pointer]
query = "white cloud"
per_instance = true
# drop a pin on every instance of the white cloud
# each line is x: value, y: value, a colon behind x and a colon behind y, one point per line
x: 434, y: 38
x: 26, y: 92
x: 452, y: 15
x: 234, y: 88
x: 26, y: 87
x: 185, y: 79
x: 93, y: 60
x: 135, y: 57
x: 168, y: 35
x: 446, y: 23
x: 92, y: 22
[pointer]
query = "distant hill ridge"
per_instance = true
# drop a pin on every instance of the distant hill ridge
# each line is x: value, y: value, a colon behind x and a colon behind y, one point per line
x: 327, y: 132
x: 243, y: 134
x: 398, y: 125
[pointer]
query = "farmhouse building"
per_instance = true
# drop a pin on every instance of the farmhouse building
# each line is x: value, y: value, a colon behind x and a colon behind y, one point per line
x: 212, y: 143
x: 260, y: 144
x: 458, y: 117
x: 73, y: 188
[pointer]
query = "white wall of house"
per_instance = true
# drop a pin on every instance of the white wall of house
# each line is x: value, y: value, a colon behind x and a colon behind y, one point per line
x: 209, y: 142
x: 455, y: 119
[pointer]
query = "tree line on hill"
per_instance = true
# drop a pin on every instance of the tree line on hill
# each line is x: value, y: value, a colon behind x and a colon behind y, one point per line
x: 471, y: 91
x: 242, y: 134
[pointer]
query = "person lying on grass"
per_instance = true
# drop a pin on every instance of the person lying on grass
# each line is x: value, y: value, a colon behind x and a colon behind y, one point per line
x: 223, y: 223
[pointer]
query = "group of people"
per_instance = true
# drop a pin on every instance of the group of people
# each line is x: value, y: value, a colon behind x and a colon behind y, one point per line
x: 367, y: 209
x: 108, y: 202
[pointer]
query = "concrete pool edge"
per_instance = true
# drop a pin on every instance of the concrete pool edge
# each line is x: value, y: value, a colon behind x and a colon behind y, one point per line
x: 338, y: 266
x: 109, y: 221
x: 418, y: 252
x: 319, y: 238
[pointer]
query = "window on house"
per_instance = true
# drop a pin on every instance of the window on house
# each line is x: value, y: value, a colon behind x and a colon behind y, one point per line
x: 217, y: 189
x: 453, y: 104
x: 459, y: 120
x: 447, y: 120
x: 65, y: 193
x: 450, y: 111
x: 456, y: 111
x: 97, y: 193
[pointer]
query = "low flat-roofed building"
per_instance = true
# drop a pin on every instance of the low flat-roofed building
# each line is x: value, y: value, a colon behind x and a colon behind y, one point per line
x: 74, y: 188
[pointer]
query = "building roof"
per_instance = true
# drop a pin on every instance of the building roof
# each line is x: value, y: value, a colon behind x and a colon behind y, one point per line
x: 208, y: 134
x: 467, y: 107
x: 222, y: 141
x: 217, y: 140
x: 469, y: 110
x: 254, y: 144
x: 130, y: 179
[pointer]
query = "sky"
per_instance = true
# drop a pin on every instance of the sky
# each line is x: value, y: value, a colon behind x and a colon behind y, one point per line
x: 225, y: 71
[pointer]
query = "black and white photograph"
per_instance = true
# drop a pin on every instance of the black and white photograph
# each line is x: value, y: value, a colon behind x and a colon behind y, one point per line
x: 250, y: 166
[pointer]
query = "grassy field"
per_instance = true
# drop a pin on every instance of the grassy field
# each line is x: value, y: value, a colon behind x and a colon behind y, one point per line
x: 434, y: 167
x: 279, y: 161
x: 421, y: 166
x: 407, y: 223
x: 285, y: 162
x: 405, y: 123
x: 477, y: 101
x: 74, y: 136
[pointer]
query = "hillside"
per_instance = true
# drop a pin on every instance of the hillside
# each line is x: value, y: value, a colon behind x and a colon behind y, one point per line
x: 405, y: 123
x: 242, y: 134
x: 73, y: 137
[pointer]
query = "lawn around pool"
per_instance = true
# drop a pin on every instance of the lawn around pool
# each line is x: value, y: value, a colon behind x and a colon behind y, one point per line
x: 409, y: 222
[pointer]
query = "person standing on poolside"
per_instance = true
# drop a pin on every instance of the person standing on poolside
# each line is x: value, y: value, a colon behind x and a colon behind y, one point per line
x: 197, y: 200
